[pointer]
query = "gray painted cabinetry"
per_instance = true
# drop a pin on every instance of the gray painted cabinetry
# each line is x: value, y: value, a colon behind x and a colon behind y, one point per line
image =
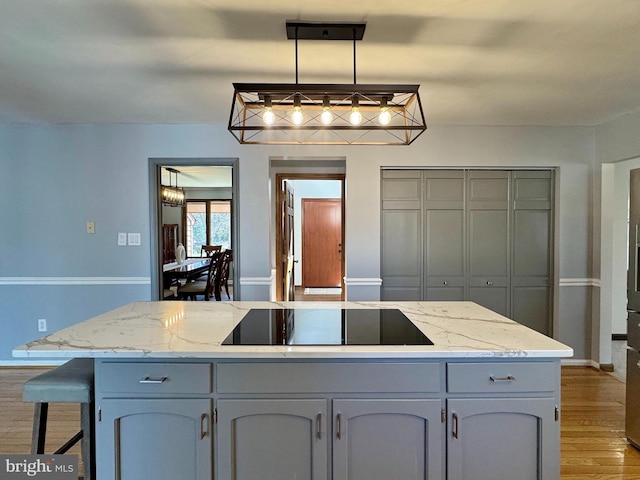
x: 328, y: 419
x: 479, y: 235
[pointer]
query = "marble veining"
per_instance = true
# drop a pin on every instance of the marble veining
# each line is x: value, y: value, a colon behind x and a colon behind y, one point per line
x: 197, y: 329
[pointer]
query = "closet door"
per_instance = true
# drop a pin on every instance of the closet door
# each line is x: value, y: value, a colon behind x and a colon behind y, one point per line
x: 444, y: 233
x: 532, y: 253
x: 488, y: 239
x: 401, y: 235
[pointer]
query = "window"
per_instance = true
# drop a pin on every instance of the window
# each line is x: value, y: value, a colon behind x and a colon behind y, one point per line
x: 199, y: 231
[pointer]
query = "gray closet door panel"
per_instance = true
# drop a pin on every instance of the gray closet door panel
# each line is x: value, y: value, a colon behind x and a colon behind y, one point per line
x: 488, y: 243
x: 488, y: 190
x: 401, y: 193
x: 531, y: 243
x: 444, y: 294
x: 531, y: 307
x: 532, y: 189
x: 444, y: 193
x: 402, y: 243
x: 444, y: 243
x: 401, y: 294
x: 494, y: 298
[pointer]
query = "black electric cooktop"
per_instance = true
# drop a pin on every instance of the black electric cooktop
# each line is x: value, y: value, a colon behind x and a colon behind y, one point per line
x: 326, y: 327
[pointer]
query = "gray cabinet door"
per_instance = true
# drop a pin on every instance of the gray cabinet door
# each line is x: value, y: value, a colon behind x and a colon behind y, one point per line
x: 401, y: 226
x: 272, y: 439
x: 159, y: 439
x: 501, y: 439
x: 387, y: 439
x: 532, y: 257
x: 444, y: 234
x: 488, y: 239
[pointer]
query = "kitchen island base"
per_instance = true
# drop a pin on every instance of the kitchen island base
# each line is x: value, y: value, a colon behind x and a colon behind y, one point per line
x: 323, y: 419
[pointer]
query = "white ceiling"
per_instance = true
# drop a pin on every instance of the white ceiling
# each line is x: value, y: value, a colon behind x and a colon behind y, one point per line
x: 486, y: 62
x: 197, y: 176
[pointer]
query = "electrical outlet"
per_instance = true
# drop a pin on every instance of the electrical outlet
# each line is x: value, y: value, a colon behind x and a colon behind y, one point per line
x: 122, y: 239
x: 91, y: 227
x: 42, y: 324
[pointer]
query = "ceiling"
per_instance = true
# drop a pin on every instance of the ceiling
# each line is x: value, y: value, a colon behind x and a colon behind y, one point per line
x: 198, y: 176
x: 479, y: 62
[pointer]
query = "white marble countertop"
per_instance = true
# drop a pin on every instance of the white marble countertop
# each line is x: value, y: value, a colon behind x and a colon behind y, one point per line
x: 197, y: 329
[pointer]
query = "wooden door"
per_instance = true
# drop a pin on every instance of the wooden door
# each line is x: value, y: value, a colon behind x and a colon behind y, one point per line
x: 321, y: 242
x: 286, y: 287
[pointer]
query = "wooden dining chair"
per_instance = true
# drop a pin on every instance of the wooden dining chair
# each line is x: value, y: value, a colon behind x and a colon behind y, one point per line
x: 209, y: 250
x: 204, y: 288
x: 227, y: 258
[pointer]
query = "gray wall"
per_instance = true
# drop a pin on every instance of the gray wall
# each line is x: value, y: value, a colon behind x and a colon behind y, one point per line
x: 56, y: 178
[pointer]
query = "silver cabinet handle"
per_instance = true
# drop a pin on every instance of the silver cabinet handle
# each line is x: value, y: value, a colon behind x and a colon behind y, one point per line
x: 489, y: 282
x: 445, y: 283
x: 204, y: 422
x: 319, y: 426
x: 339, y: 426
x: 454, y: 426
x: 154, y: 380
x: 508, y: 378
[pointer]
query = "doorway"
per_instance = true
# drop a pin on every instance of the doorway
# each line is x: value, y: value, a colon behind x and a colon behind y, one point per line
x: 208, y: 183
x: 314, y: 201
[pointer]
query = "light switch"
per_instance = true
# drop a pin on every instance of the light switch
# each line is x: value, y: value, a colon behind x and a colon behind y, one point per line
x: 122, y: 239
x: 91, y: 227
x: 134, y: 239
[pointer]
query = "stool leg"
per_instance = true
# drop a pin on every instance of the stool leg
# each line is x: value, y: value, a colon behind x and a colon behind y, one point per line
x: 87, y: 424
x: 39, y: 433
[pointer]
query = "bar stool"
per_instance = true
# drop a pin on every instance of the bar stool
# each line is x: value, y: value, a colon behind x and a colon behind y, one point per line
x: 68, y: 383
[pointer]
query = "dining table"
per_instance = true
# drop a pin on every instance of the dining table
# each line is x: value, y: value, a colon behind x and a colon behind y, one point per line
x: 188, y: 271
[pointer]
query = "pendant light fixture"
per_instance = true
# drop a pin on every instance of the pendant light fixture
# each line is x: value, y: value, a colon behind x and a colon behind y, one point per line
x: 172, y: 196
x: 342, y: 114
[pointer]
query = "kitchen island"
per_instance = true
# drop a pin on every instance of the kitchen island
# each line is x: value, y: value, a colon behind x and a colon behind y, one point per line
x: 182, y: 391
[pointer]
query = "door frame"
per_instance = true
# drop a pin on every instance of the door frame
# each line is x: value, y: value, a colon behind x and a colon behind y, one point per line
x: 155, y: 213
x: 280, y: 177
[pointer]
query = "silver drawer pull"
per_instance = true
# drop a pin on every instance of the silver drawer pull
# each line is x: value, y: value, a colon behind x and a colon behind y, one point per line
x: 502, y: 379
x: 154, y: 380
x: 445, y: 283
x: 489, y: 282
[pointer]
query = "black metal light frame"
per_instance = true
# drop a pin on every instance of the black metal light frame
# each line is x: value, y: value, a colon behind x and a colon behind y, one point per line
x: 405, y: 117
x: 172, y: 196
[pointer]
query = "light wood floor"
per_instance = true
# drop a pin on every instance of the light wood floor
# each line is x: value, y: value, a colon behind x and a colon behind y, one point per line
x: 593, y: 442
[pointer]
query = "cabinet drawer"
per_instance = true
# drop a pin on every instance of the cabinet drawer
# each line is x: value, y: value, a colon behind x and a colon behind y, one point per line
x: 327, y: 377
x: 156, y: 378
x: 501, y: 377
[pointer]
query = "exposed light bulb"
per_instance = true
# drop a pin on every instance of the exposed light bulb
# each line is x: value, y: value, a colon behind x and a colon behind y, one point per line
x: 356, y: 117
x: 326, y: 117
x: 268, y: 116
x: 296, y: 116
x: 385, y: 117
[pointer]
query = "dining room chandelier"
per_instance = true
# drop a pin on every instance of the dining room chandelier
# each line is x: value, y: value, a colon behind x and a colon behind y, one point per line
x: 172, y: 196
x: 326, y: 114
